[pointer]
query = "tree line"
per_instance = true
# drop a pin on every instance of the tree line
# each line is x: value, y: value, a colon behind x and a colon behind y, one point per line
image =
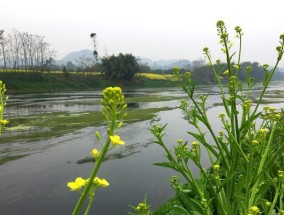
x: 30, y: 52
x: 22, y: 50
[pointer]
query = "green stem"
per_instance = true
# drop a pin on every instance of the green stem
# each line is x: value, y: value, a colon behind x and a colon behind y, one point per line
x: 266, y: 84
x: 89, y: 205
x: 272, y: 206
x: 281, y: 196
x: 260, y: 168
x: 208, y: 125
x: 96, y: 168
x: 91, y: 178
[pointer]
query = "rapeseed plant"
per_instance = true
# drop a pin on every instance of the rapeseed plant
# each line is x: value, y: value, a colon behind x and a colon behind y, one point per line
x: 3, y: 99
x: 114, y: 107
x: 246, y: 161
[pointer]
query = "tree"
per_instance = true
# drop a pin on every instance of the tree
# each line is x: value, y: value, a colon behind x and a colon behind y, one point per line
x: 121, y: 67
x: 84, y: 62
x: 21, y: 50
x: 3, y: 45
x: 144, y: 67
x: 70, y: 66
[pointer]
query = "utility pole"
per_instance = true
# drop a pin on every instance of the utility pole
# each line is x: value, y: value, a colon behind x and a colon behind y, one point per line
x: 94, y: 37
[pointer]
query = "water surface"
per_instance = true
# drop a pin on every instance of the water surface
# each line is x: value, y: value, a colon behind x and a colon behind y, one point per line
x: 36, y: 183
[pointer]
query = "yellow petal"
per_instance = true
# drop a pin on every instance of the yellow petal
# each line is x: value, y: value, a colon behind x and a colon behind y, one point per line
x: 101, y: 182
x: 73, y: 186
x: 116, y: 140
x: 95, y: 153
x: 80, y: 182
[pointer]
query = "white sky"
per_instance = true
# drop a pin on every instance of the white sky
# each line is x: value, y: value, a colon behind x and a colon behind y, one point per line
x: 156, y: 29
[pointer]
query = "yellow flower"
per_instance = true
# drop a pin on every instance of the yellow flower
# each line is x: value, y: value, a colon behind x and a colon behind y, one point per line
x: 141, y: 206
x: 95, y: 153
x: 226, y: 72
x: 216, y: 167
x: 247, y: 104
x: 187, y: 75
x: 222, y: 116
x: 1, y: 108
x: 101, y: 182
x: 254, y: 142
x: 280, y: 174
x: 278, y: 116
x: 254, y: 210
x: 77, y: 184
x: 266, y: 108
x: 233, y: 79
x: 116, y: 140
x: 4, y: 121
x: 272, y: 109
x: 263, y: 131
x: 195, y: 144
x: 180, y: 141
x: 236, y: 66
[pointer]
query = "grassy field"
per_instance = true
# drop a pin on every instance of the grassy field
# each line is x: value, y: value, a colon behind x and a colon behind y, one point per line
x: 21, y: 81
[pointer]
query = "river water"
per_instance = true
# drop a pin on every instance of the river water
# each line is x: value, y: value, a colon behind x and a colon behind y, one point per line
x: 36, y: 184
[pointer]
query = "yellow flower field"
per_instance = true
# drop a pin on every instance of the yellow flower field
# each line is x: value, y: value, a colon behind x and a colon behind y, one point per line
x: 157, y: 76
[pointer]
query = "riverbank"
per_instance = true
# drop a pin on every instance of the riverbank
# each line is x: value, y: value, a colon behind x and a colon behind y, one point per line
x: 31, y: 82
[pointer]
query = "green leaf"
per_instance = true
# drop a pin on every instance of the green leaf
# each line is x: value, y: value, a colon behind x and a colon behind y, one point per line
x: 167, y: 165
x: 201, y: 139
x: 191, y: 204
x: 200, y: 118
x: 177, y: 210
x: 247, y: 123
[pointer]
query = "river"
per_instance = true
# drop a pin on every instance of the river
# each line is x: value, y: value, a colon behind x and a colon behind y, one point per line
x: 35, y: 183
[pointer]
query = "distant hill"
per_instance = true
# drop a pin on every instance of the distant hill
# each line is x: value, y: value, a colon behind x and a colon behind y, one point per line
x: 165, y: 64
x: 159, y: 64
x: 72, y: 56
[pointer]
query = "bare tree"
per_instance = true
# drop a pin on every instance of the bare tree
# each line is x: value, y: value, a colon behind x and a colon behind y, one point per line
x: 85, y: 62
x: 14, y: 48
x: 3, y: 45
x: 25, y: 51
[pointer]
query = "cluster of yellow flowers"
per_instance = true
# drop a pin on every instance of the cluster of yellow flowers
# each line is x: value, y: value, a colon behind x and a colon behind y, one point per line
x: 2, y: 105
x: 253, y: 210
x: 153, y: 76
x: 113, y: 106
x: 270, y: 113
x: 80, y: 182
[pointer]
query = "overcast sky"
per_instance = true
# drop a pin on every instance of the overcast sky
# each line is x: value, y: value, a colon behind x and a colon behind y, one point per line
x: 156, y: 29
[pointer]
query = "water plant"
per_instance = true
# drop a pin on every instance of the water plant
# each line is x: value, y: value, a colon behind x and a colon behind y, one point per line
x: 3, y: 99
x: 114, y: 107
x: 246, y: 171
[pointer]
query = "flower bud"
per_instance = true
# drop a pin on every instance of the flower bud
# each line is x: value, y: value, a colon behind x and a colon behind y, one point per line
x: 238, y: 29
x: 98, y: 135
x: 120, y: 125
x: 205, y: 50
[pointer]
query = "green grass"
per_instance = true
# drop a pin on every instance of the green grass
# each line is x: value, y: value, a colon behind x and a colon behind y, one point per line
x: 47, y: 125
x: 8, y: 158
x: 26, y: 82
